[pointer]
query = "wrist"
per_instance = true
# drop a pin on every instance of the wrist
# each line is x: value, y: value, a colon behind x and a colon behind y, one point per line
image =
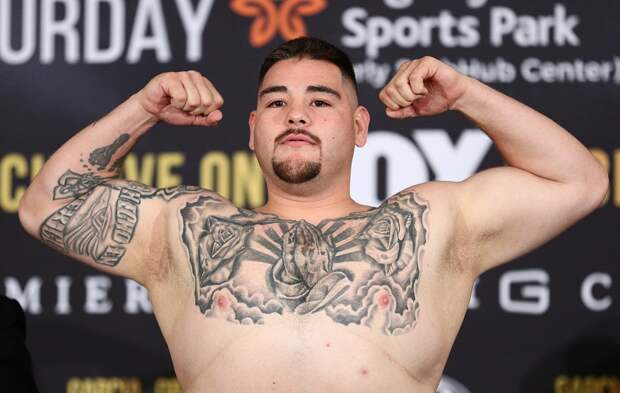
x: 142, y: 117
x: 469, y: 96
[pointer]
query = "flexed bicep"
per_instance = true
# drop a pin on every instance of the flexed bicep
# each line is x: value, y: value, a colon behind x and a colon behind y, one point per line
x: 113, y: 225
x: 508, y: 212
x: 78, y: 204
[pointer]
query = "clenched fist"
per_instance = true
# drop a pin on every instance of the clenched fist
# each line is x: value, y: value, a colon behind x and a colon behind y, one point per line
x: 423, y: 87
x: 182, y: 98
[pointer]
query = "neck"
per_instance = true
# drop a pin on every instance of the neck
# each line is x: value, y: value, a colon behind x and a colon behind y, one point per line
x: 312, y: 206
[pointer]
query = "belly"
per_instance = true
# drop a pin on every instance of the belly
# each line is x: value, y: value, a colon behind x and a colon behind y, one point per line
x: 293, y: 354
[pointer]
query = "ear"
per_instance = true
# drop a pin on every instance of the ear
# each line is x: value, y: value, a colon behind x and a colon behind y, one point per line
x: 252, y: 123
x: 361, y: 121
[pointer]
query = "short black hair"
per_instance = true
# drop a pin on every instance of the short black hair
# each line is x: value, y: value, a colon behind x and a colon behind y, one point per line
x: 309, y: 48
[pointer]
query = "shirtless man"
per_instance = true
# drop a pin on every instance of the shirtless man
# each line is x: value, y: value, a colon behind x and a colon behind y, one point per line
x: 312, y: 292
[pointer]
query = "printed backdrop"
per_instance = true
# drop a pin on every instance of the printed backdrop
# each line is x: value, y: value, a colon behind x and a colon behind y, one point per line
x: 548, y: 322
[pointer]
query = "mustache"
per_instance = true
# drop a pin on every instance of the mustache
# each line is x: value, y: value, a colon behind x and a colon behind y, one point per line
x: 298, y: 131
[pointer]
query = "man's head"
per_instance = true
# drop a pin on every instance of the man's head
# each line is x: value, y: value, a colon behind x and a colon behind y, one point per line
x: 307, y: 119
x: 310, y: 48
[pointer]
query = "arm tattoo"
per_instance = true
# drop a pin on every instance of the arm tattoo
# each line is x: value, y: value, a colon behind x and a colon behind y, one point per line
x: 74, y: 185
x: 100, y: 158
x: 101, y: 223
x: 360, y: 269
x: 93, y: 225
x: 101, y: 220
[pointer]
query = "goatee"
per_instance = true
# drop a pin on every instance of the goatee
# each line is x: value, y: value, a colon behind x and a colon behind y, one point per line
x: 296, y: 171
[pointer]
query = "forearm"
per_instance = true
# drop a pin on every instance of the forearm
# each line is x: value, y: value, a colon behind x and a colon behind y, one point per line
x: 527, y: 139
x: 89, y: 158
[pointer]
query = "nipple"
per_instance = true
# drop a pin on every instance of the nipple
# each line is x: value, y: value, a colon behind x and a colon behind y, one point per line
x: 222, y: 302
x: 383, y: 300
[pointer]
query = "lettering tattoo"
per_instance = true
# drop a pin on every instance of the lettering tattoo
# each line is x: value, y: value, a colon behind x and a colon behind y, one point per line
x: 101, y: 223
x: 93, y: 228
x: 53, y: 230
x: 360, y: 269
x: 101, y: 220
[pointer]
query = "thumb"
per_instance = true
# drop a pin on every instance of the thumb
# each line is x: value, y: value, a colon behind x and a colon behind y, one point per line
x: 210, y: 120
x: 401, y: 113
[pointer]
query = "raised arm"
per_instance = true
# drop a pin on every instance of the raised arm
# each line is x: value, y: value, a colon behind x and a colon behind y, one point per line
x: 550, y: 182
x: 78, y: 205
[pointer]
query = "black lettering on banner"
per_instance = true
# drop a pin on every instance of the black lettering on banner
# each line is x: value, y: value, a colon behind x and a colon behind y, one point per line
x: 112, y: 255
x: 103, y: 219
x: 126, y: 216
x: 53, y: 227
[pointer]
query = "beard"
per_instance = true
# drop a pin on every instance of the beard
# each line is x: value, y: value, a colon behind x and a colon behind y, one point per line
x: 296, y: 171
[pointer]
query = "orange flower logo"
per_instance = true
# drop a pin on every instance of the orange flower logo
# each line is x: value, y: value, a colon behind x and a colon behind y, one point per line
x: 269, y: 17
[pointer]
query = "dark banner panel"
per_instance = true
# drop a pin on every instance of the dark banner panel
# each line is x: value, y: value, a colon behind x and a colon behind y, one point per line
x: 547, y: 322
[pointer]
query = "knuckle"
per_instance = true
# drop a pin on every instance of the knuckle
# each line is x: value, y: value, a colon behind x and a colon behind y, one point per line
x: 207, y: 82
x: 178, y: 103
x: 401, y: 83
x: 207, y: 99
x: 413, y: 78
x: 192, y: 104
x: 173, y: 75
x: 167, y: 76
x: 179, y: 94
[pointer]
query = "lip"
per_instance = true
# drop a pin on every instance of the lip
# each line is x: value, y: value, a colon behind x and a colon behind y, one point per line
x: 297, y: 140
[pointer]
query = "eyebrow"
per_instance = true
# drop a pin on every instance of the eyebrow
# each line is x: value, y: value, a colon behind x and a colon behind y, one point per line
x: 272, y: 89
x: 323, y: 89
x: 310, y: 89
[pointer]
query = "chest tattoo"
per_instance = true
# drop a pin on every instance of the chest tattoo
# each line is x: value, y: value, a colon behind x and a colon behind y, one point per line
x: 362, y: 269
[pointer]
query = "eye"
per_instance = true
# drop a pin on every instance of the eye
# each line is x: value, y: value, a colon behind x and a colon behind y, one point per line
x: 276, y: 104
x: 320, y: 103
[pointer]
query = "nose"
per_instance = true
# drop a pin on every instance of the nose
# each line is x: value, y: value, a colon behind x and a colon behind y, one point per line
x: 297, y: 116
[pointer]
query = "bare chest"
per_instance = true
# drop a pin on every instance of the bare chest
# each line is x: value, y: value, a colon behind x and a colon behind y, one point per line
x: 344, y: 299
x: 362, y: 269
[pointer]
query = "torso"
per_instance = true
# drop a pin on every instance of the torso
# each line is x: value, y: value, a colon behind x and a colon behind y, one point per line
x: 363, y: 303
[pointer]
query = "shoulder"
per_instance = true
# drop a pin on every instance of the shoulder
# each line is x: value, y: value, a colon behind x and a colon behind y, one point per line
x: 186, y: 211
x: 435, y: 200
x: 435, y: 206
x: 205, y: 202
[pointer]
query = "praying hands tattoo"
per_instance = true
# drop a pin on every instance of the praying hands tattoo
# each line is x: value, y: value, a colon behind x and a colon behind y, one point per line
x: 360, y: 269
